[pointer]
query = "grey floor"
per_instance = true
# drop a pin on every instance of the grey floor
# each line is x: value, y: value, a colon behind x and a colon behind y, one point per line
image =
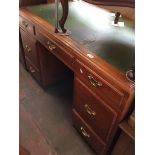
x: 51, y: 109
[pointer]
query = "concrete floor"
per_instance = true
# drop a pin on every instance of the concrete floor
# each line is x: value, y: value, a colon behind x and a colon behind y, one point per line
x: 45, y: 119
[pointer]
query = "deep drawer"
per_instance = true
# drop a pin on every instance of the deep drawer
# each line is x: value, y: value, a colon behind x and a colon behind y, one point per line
x: 26, y: 25
x: 62, y: 55
x: 88, y: 134
x: 29, y: 45
x: 33, y: 70
x: 93, y: 110
x: 98, y: 85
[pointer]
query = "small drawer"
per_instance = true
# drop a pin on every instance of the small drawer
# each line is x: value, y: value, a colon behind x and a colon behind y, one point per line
x: 62, y: 55
x: 29, y: 45
x: 33, y: 70
x: 93, y: 110
x: 88, y: 134
x: 98, y: 85
x: 26, y: 25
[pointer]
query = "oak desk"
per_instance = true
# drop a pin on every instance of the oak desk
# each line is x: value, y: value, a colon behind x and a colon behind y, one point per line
x: 97, y: 52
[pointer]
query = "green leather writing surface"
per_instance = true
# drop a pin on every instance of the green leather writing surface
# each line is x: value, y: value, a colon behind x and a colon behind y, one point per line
x: 92, y: 28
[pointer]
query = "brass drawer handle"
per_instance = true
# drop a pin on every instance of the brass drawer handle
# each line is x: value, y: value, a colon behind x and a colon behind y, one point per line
x: 89, y: 110
x: 28, y: 48
x: 32, y: 70
x: 94, y: 82
x: 50, y: 46
x: 84, y: 132
x: 25, y: 24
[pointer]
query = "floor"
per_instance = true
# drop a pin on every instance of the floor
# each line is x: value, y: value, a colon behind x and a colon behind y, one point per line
x: 45, y: 119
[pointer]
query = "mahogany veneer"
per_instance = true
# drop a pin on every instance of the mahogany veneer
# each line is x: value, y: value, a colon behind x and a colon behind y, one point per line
x: 88, y: 134
x: 94, y: 110
x: 102, y: 94
x: 41, y: 63
x: 29, y: 45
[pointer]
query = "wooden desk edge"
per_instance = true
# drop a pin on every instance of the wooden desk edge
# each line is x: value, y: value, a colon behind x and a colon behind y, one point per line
x: 127, y: 129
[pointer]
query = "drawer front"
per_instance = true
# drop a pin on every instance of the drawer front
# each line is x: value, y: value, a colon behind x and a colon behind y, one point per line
x: 107, y: 92
x: 29, y: 45
x: 88, y: 134
x: 26, y: 25
x: 33, y: 70
x: 93, y: 110
x: 62, y: 55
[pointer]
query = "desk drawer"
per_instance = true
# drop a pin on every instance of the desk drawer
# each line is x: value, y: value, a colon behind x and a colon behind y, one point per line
x: 93, y: 110
x: 98, y: 85
x: 88, y: 134
x: 62, y: 55
x: 29, y: 45
x: 33, y: 70
x: 26, y: 25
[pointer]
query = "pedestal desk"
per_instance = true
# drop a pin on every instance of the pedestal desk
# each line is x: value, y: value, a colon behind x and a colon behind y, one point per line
x: 98, y: 53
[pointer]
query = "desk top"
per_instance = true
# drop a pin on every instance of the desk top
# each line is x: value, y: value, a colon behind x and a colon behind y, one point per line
x: 95, y: 32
